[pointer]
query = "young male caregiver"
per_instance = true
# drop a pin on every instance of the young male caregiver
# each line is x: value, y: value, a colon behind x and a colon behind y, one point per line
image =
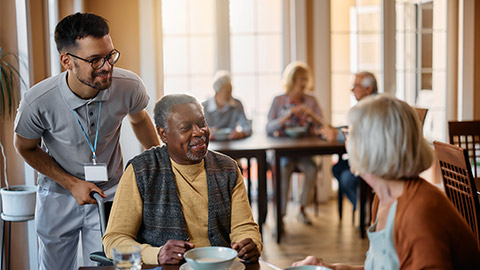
x: 77, y: 115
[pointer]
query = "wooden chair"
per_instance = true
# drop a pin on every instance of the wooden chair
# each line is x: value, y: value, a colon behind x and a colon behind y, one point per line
x: 315, y: 195
x: 466, y: 134
x: 459, y: 185
x: 366, y: 199
x: 364, y: 202
x: 422, y: 113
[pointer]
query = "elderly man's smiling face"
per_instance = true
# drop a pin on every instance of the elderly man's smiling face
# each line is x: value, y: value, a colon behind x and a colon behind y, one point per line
x: 187, y: 134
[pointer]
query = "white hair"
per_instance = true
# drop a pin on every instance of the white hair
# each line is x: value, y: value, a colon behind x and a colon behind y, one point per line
x: 386, y: 139
x: 368, y: 80
x: 163, y: 107
x: 222, y: 77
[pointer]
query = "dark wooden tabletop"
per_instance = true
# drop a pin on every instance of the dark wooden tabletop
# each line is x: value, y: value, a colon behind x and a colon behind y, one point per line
x: 261, y: 142
x: 250, y: 266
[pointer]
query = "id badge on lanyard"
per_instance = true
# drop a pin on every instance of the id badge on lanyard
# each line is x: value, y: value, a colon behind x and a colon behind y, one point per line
x: 94, y: 171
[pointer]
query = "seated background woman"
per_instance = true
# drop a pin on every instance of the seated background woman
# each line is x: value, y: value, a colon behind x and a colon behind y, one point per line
x: 416, y: 226
x: 292, y: 109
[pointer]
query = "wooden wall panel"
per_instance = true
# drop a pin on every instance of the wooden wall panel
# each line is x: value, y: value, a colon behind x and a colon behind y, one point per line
x: 123, y: 18
x: 39, y: 40
x: 476, y: 84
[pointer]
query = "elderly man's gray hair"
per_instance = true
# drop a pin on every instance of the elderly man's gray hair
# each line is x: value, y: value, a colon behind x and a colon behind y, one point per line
x: 222, y: 77
x: 369, y: 80
x: 163, y: 107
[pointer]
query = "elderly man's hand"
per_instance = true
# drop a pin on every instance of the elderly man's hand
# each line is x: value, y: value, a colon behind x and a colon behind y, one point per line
x: 212, y: 133
x: 235, y: 135
x: 309, y: 260
x: 247, y: 250
x: 312, y: 260
x: 329, y: 133
x: 172, y: 252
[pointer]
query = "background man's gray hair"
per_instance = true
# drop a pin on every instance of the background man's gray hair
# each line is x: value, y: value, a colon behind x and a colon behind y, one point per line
x: 369, y: 80
x: 221, y: 78
x: 163, y: 107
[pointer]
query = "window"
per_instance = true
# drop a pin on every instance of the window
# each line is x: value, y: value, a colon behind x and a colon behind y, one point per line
x: 421, y: 60
x: 188, y: 46
x: 356, y: 46
x: 255, y: 51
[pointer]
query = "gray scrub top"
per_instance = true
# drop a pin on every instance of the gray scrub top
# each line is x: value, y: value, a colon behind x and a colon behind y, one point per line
x: 46, y: 112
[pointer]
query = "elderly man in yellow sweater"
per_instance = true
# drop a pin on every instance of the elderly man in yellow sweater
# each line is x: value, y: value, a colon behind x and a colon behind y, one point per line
x: 181, y: 195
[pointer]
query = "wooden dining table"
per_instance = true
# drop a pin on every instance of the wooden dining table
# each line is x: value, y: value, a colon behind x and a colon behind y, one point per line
x: 257, y: 146
x: 248, y: 266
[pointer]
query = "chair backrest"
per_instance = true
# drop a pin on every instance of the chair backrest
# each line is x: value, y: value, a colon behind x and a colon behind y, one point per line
x: 459, y: 183
x: 422, y: 113
x: 466, y: 134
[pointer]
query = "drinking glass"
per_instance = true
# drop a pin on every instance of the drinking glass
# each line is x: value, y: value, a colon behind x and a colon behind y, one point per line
x: 127, y: 257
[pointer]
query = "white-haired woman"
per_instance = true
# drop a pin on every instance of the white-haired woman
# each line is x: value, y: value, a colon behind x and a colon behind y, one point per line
x: 295, y: 108
x: 223, y: 111
x: 415, y: 226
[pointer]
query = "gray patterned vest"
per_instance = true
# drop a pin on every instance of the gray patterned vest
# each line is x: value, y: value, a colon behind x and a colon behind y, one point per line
x: 162, y: 217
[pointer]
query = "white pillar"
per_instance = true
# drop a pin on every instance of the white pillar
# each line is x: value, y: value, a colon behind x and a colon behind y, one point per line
x: 388, y: 47
x: 222, y: 37
x: 323, y: 85
x: 466, y: 64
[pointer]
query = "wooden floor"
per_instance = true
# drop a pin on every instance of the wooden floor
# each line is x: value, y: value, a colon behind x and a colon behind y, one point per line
x: 328, y: 238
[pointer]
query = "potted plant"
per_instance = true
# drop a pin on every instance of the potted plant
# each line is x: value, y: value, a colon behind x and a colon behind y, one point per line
x: 17, y: 201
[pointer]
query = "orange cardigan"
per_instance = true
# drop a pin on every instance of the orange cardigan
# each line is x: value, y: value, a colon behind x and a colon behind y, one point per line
x: 429, y: 233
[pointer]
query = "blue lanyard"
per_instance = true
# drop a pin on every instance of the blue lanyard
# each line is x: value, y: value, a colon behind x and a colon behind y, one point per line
x: 93, y: 148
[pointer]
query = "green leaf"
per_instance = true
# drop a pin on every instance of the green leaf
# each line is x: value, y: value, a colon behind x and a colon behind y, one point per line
x: 9, y: 86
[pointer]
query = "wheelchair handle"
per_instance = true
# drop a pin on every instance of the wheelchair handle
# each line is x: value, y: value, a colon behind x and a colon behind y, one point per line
x: 101, y: 210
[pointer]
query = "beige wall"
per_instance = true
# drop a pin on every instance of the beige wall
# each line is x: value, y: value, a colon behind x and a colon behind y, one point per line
x: 123, y: 18
x: 39, y: 57
x: 310, y: 37
x: 65, y: 8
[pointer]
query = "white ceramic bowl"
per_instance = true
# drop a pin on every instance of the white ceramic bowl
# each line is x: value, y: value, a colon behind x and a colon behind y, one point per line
x: 222, y: 134
x: 308, y: 267
x: 296, y: 132
x: 207, y: 258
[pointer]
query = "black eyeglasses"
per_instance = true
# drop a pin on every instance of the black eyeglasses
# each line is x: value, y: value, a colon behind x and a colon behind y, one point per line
x: 98, y: 62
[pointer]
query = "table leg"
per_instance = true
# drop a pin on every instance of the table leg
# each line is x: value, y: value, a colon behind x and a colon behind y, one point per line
x: 278, y: 196
x: 249, y: 182
x: 262, y: 189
